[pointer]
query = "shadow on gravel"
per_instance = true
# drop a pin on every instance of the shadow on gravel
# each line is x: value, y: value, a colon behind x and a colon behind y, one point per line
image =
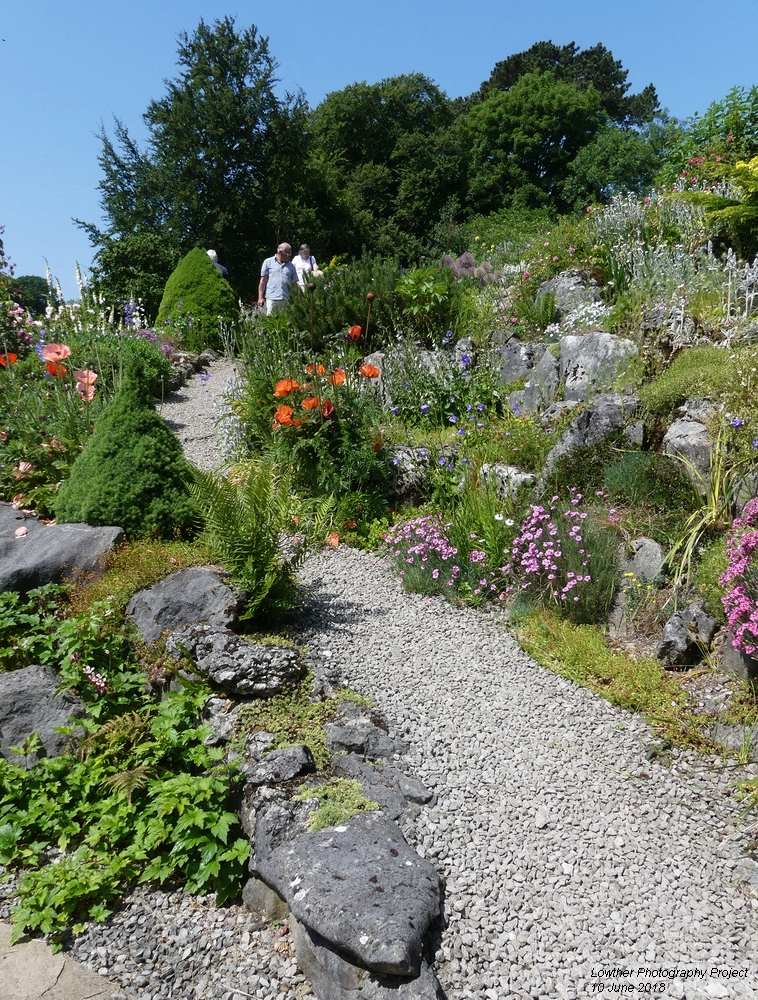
x: 331, y: 614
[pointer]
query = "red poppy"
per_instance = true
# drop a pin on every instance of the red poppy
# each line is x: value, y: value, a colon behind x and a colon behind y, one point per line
x: 12, y: 358
x: 285, y: 386
x: 354, y: 333
x: 378, y: 442
x: 319, y: 369
x: 327, y: 409
x: 55, y: 369
x: 370, y: 371
x: 283, y: 416
x: 311, y: 403
x: 338, y: 377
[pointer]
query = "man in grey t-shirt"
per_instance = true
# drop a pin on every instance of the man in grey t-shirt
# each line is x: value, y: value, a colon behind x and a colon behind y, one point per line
x: 277, y: 274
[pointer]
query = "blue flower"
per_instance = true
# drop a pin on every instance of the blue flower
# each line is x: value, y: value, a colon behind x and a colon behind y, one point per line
x: 479, y: 426
x: 736, y: 422
x: 441, y: 461
x: 469, y: 407
x: 461, y: 432
x: 424, y: 407
x: 480, y: 406
x: 405, y: 384
x: 465, y: 360
x: 453, y: 419
x: 394, y: 411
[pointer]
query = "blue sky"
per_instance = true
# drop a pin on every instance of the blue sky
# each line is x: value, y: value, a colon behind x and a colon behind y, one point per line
x: 67, y: 67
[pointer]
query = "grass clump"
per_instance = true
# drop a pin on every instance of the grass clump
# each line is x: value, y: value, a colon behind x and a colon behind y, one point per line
x: 712, y: 563
x: 697, y: 373
x: 339, y: 800
x: 580, y: 654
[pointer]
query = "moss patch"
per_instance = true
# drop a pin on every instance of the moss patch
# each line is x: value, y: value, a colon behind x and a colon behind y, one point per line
x: 339, y: 800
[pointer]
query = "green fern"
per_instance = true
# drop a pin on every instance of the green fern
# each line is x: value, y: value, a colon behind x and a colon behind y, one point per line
x: 130, y: 781
x: 260, y: 529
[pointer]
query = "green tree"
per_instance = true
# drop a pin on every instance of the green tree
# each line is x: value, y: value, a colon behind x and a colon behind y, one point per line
x: 521, y: 141
x: 135, y: 265
x: 593, y: 67
x: 32, y: 292
x: 219, y: 142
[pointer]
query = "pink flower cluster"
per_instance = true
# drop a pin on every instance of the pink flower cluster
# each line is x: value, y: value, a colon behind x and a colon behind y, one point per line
x: 537, y: 552
x: 741, y: 601
x: 98, y: 681
x: 420, y: 540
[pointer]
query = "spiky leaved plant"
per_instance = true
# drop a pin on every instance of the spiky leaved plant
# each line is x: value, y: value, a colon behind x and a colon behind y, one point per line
x: 260, y: 529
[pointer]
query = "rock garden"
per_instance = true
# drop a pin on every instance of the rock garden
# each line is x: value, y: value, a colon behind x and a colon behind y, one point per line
x: 407, y: 651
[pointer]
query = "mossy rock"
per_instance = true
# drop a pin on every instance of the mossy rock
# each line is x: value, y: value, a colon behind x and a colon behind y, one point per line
x: 196, y: 298
x: 696, y: 373
x: 132, y: 471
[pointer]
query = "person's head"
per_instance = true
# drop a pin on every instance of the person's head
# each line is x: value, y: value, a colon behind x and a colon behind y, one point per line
x: 284, y: 252
x: 213, y: 256
x: 305, y: 251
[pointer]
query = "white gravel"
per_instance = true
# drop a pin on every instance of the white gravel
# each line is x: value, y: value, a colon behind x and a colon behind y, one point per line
x: 566, y: 854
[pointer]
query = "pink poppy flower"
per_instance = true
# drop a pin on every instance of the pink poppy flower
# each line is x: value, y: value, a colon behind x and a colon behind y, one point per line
x: 56, y: 352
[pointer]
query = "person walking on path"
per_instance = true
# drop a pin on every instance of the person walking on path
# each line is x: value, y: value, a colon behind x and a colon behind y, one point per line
x: 277, y: 274
x: 305, y: 263
x: 214, y: 257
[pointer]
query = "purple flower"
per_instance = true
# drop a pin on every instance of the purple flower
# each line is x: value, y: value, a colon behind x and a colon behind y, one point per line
x: 465, y: 360
x: 394, y: 411
x: 424, y: 407
x: 453, y: 419
x: 441, y: 461
x: 736, y: 422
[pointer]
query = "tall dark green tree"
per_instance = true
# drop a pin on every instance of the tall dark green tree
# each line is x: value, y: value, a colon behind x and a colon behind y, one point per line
x: 212, y: 167
x: 593, y: 67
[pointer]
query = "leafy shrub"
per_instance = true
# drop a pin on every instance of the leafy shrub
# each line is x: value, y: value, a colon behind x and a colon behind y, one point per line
x: 260, y: 529
x: 432, y: 301
x: 196, y: 299
x: 339, y: 302
x: 140, y: 799
x: 132, y: 471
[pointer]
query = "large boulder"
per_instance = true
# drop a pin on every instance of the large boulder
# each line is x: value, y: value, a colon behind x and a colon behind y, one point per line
x: 334, y: 977
x: 185, y: 597
x: 690, y: 440
x: 593, y: 363
x: 394, y: 791
x: 606, y: 414
x: 32, y: 554
x: 506, y: 480
x: 542, y: 387
x: 362, y: 888
x: 29, y: 704
x: 572, y: 289
x: 232, y: 663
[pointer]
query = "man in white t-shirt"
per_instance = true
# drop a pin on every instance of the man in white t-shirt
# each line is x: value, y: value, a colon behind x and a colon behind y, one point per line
x: 305, y: 263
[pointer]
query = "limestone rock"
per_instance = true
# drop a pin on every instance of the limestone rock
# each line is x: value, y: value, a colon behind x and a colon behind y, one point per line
x: 685, y: 635
x: 29, y: 704
x: 49, y: 553
x: 233, y: 663
x: 689, y: 439
x: 507, y: 480
x: 281, y: 765
x: 334, y: 977
x: 593, y: 362
x: 542, y: 387
x: 644, y: 559
x: 362, y: 888
x: 572, y: 289
x: 185, y: 597
x: 606, y: 414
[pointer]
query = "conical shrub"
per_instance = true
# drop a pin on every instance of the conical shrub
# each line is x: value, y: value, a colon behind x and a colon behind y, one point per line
x: 197, y: 298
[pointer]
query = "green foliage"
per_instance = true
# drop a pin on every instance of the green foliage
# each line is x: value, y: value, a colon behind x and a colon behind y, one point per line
x: 696, y: 373
x: 196, y: 299
x: 260, y: 529
x: 135, y: 266
x: 522, y: 140
x: 339, y: 302
x: 432, y: 302
x: 32, y: 292
x: 141, y: 798
x: 25, y: 625
x: 711, y: 564
x: 132, y: 471
x: 594, y: 67
x: 339, y: 800
x: 292, y: 718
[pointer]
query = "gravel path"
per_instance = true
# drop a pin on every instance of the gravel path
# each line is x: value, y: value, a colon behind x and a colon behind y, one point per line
x: 565, y: 853
x: 563, y: 849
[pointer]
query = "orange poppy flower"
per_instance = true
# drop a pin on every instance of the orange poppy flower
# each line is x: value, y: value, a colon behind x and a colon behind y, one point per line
x: 311, y: 403
x: 333, y: 539
x: 283, y: 416
x: 55, y: 369
x: 327, y: 409
x: 285, y: 386
x: 12, y: 358
x: 56, y: 352
x: 354, y: 333
x: 338, y: 377
x: 319, y: 369
x: 370, y: 371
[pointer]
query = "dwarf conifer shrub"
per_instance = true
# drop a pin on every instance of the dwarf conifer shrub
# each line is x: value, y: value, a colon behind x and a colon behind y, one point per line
x: 132, y: 471
x: 197, y: 298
